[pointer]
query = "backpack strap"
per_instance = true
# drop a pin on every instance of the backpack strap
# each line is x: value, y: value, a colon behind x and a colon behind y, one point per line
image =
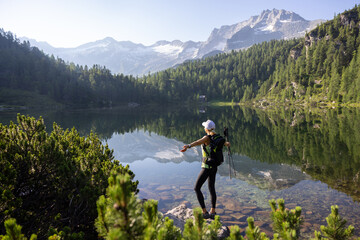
x: 204, y: 147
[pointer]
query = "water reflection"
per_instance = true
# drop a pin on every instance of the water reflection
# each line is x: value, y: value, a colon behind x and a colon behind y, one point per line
x: 309, y: 158
x: 140, y: 144
x: 264, y: 175
x: 169, y: 178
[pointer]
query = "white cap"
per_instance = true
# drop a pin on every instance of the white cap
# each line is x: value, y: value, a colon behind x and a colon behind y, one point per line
x: 209, y: 125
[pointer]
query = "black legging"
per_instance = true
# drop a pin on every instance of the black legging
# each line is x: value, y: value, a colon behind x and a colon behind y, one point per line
x: 210, y: 174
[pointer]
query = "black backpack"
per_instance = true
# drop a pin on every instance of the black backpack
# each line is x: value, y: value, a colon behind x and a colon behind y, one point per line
x: 216, y: 157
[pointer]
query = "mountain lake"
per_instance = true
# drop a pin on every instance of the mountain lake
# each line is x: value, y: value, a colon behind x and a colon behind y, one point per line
x: 310, y: 158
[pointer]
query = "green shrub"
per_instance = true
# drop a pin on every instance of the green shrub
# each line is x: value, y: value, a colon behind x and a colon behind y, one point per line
x: 52, y: 180
x: 286, y: 223
x: 335, y: 230
x: 253, y: 232
x: 13, y: 231
x: 197, y: 229
x: 122, y: 216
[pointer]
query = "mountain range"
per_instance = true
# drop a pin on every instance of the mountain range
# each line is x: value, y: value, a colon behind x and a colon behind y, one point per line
x: 137, y: 59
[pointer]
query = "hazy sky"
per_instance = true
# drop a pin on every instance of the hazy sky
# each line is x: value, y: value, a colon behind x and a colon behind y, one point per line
x: 70, y: 23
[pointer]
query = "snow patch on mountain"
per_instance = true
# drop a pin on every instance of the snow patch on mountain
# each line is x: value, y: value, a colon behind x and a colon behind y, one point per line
x: 168, y: 49
x: 267, y: 28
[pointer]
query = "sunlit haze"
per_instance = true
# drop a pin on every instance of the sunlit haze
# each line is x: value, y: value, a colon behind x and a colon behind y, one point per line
x: 69, y: 23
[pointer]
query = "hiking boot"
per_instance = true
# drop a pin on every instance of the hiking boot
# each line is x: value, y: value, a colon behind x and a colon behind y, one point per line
x: 212, y: 215
x: 206, y: 215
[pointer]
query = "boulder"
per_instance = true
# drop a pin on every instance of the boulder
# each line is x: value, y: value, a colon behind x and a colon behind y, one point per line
x: 181, y: 213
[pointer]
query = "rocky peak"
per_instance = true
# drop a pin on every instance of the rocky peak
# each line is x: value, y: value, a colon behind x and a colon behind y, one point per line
x: 161, y: 42
x: 177, y: 43
x: 109, y: 40
x: 275, y: 16
x: 270, y: 24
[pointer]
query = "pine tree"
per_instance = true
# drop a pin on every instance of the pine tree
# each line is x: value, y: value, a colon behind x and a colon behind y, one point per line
x: 253, y: 232
x: 235, y: 233
x: 121, y: 215
x: 335, y: 230
x: 197, y: 229
x: 334, y: 85
x: 347, y: 82
x: 286, y: 223
x: 13, y: 231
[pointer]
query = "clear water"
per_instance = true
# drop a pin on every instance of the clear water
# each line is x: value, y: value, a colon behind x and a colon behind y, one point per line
x: 308, y: 159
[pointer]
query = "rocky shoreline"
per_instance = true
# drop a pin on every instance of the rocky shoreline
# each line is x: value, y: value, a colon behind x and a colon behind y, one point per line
x: 181, y: 213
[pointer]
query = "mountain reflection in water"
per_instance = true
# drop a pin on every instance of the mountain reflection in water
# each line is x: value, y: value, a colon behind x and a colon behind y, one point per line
x: 140, y: 145
x: 310, y: 158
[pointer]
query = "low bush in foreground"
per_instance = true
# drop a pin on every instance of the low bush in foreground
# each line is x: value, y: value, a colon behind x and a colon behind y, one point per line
x: 50, y: 182
x: 121, y: 215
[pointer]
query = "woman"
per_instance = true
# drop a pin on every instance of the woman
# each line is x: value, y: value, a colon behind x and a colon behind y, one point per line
x: 207, y: 172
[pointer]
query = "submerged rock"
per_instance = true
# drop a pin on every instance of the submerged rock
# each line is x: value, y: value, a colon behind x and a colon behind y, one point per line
x: 181, y: 213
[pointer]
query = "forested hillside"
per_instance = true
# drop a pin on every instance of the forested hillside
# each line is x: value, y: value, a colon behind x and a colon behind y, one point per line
x: 322, y: 66
x: 24, y: 70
